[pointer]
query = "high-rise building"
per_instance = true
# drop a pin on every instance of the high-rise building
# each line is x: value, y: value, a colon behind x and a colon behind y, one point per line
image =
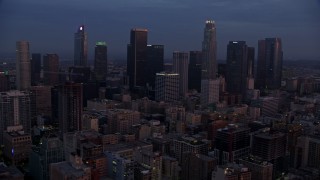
x: 155, y: 62
x: 35, y: 68
x: 237, y: 67
x: 209, y: 51
x: 23, y: 66
x: 51, y: 69
x: 194, y: 74
x: 40, y: 101
x: 101, y: 61
x: 271, y: 147
x: 50, y: 151
x: 167, y: 87
x: 209, y: 60
x: 251, y: 56
x: 269, y: 69
x: 137, y: 57
x: 70, y: 107
x: 80, y: 47
x: 180, y: 66
x: 232, y: 143
x: 14, y: 111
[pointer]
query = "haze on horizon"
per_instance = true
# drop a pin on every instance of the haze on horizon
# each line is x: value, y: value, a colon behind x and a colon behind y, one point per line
x: 49, y: 26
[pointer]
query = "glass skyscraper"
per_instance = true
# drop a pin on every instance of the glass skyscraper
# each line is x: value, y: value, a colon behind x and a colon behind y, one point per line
x: 80, y: 47
x: 269, y: 70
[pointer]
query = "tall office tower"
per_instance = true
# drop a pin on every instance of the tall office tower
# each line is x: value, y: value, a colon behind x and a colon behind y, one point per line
x: 209, y: 51
x: 101, y: 61
x: 180, y: 66
x: 155, y: 62
x: 167, y: 87
x: 137, y: 57
x: 251, y: 55
x: 237, y: 67
x: 209, y: 61
x: 51, y: 69
x: 35, y: 68
x: 269, y: 69
x: 194, y: 74
x: 70, y: 107
x: 271, y: 146
x: 80, y: 47
x: 14, y: 111
x: 50, y: 151
x: 232, y: 143
x: 40, y: 101
x: 23, y: 67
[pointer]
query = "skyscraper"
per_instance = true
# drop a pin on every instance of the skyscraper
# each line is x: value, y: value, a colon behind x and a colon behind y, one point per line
x: 269, y: 69
x: 180, y: 66
x: 14, y: 111
x: 70, y: 107
x: 80, y: 47
x: 194, y: 74
x: 209, y: 62
x: 167, y: 87
x: 155, y: 58
x: 23, y: 66
x: 51, y: 69
x: 237, y: 67
x: 209, y: 51
x: 100, y: 61
x: 35, y: 68
x: 137, y: 57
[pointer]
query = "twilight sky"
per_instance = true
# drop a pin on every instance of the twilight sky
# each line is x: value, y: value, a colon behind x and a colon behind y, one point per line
x: 49, y: 25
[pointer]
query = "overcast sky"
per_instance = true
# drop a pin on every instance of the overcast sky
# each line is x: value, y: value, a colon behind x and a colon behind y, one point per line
x: 49, y: 25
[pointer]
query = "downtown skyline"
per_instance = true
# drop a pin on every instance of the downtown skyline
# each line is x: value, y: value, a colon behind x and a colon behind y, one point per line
x: 177, y: 26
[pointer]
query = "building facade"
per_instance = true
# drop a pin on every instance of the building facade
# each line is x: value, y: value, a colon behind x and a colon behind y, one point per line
x: 23, y: 66
x: 80, y: 47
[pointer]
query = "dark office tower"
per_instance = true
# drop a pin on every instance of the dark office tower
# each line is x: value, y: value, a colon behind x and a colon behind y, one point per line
x: 194, y: 79
x: 271, y: 146
x: 251, y: 55
x: 70, y: 107
x: 269, y: 69
x: 209, y: 51
x: 100, y: 61
x: 23, y: 67
x: 232, y: 143
x: 51, y: 69
x: 180, y: 66
x: 237, y: 67
x: 137, y: 57
x: 155, y: 62
x: 80, y: 47
x: 35, y: 68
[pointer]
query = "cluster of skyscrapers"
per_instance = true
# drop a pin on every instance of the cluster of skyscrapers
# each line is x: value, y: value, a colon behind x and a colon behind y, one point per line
x: 193, y: 118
